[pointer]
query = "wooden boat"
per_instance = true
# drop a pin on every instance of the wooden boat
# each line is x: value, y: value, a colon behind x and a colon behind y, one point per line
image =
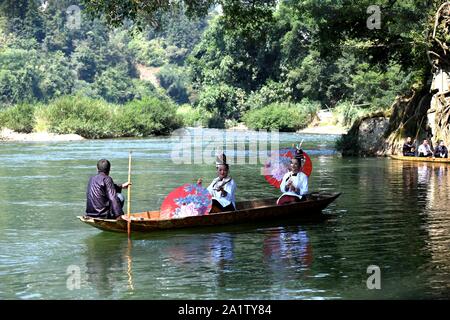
x: 247, y: 211
x: 421, y: 159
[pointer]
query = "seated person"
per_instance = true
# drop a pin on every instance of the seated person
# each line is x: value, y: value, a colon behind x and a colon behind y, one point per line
x: 294, y: 183
x: 222, y: 188
x: 409, y: 149
x: 104, y: 199
x: 441, y: 150
x: 425, y: 150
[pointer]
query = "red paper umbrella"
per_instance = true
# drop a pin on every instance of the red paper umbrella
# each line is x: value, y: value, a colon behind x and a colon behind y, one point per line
x: 187, y: 200
x: 279, y: 163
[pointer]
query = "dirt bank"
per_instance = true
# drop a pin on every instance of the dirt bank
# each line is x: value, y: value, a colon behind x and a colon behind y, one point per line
x: 9, y: 135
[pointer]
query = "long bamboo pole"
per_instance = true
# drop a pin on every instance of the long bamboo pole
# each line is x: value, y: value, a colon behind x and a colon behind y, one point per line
x: 129, y: 197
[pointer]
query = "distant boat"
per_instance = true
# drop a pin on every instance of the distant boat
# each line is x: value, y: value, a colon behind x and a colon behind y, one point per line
x: 247, y: 211
x: 421, y: 159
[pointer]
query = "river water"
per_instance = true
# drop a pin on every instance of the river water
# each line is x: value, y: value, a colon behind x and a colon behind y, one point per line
x: 390, y: 228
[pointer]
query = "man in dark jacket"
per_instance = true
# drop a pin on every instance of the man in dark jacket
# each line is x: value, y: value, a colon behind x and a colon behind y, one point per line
x: 409, y: 149
x: 104, y: 199
x: 441, y: 150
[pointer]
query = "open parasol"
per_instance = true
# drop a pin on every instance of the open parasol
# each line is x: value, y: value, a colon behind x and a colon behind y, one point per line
x: 187, y: 200
x: 279, y: 162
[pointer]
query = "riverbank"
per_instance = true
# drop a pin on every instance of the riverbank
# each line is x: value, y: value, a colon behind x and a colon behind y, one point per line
x: 322, y: 125
x: 10, y: 135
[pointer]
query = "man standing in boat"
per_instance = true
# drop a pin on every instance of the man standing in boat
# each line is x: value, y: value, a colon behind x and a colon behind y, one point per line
x: 425, y: 150
x: 409, y: 148
x: 104, y: 199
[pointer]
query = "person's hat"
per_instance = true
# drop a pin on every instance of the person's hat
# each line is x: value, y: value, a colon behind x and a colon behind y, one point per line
x: 299, y: 153
x: 221, y: 159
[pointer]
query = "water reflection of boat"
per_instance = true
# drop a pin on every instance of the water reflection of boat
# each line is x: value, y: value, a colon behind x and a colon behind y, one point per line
x: 289, y: 245
x: 421, y: 159
x: 106, y: 261
x: 423, y: 174
x: 426, y: 187
x: 247, y: 211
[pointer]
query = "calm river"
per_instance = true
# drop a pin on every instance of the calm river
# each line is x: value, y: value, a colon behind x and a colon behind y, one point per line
x: 391, y: 214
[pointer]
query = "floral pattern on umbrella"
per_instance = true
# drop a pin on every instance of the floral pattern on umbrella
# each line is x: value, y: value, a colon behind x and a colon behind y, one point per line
x: 186, y: 201
x: 278, y: 164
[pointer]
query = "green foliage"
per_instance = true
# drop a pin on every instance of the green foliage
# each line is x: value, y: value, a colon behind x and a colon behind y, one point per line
x: 19, y: 118
x: 347, y: 113
x: 150, y: 53
x: 175, y: 80
x: 180, y: 33
x: 379, y: 87
x: 80, y: 115
x: 19, y: 76
x: 271, y: 92
x: 245, y: 14
x: 228, y: 101
x: 281, y: 116
x: 254, y: 55
x: 93, y: 118
x: 237, y: 58
x: 147, y: 116
x: 114, y: 86
x: 57, y: 77
x: 143, y: 89
x: 193, y: 117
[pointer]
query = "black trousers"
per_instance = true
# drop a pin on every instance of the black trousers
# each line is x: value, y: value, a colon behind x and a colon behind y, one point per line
x: 217, y: 204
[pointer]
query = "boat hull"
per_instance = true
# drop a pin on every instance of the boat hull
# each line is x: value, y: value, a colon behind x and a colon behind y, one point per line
x: 248, y: 211
x: 421, y: 159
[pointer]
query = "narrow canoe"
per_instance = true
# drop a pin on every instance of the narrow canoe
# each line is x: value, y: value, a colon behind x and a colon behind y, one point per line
x: 247, y: 211
x: 421, y: 159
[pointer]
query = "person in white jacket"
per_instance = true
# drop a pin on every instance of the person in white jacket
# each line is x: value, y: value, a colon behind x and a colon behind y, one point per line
x: 222, y: 188
x: 294, y: 183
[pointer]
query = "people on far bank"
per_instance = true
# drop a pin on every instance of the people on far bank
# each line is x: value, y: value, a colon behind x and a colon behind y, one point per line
x: 425, y: 149
x: 222, y: 188
x: 294, y: 184
x: 441, y: 150
x: 409, y: 148
x: 104, y: 198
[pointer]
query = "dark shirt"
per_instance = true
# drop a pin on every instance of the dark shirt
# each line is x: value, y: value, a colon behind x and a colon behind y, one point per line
x: 441, y: 150
x: 102, y: 201
x: 408, y: 149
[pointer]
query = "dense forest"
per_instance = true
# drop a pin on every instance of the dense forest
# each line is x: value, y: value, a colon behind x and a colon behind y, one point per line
x: 269, y: 64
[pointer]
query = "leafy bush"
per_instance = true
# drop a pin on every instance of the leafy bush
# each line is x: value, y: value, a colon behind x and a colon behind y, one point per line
x: 146, y: 117
x: 269, y: 93
x: 84, y: 116
x: 19, y: 118
x: 281, y: 116
x: 193, y: 117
